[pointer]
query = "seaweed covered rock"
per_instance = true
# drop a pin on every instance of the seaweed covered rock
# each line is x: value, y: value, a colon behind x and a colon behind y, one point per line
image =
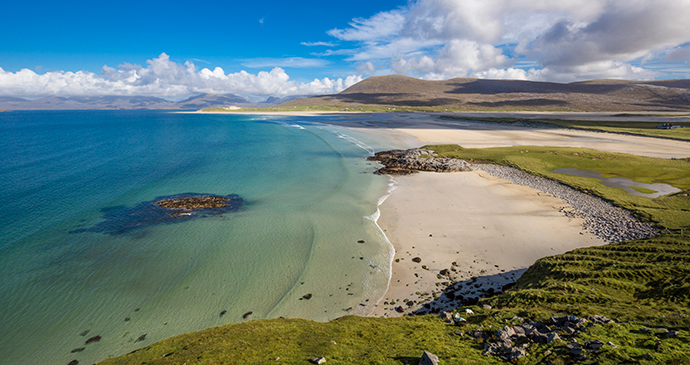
x: 167, y: 209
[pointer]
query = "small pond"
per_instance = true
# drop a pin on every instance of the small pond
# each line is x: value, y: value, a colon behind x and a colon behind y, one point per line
x: 621, y: 183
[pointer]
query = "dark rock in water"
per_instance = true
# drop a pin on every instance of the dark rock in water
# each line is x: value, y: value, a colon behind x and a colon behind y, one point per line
x: 166, y: 209
x: 417, y: 260
x: 73, y: 362
x: 78, y: 350
x: 141, y: 338
x: 93, y: 339
x: 223, y: 313
x: 360, y: 241
x: 83, y: 334
x: 127, y: 319
x: 307, y: 296
x: 247, y: 315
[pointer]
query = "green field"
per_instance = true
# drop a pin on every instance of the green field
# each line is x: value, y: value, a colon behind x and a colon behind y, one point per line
x: 642, y: 283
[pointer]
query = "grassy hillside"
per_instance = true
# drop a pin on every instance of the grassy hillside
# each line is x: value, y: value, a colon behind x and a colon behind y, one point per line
x: 643, y: 285
x: 463, y: 94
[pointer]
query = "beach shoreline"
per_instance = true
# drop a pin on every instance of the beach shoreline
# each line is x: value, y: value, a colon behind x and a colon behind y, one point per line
x: 471, y: 227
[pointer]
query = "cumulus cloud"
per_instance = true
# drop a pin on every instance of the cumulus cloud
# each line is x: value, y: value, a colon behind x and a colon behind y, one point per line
x: 567, y: 40
x: 164, y: 78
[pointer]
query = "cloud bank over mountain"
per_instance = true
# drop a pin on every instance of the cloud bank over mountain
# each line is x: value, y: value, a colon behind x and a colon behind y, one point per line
x: 164, y: 78
x: 524, y: 39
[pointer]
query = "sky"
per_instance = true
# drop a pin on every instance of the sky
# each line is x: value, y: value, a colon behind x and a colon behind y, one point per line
x: 261, y: 48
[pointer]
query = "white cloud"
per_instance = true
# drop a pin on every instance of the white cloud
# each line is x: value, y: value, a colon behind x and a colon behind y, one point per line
x: 456, y: 58
x: 380, y: 26
x: 315, y: 44
x: 570, y: 40
x: 295, y: 62
x: 164, y: 78
x: 365, y: 68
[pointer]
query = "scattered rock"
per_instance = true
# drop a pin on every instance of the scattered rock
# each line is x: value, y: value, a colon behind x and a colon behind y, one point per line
x: 593, y: 345
x: 222, y: 313
x: 486, y: 306
x: 600, y: 319
x: 612, y: 345
x: 93, y: 339
x: 73, y: 362
x: 672, y: 334
x: 574, y: 348
x: 446, y: 316
x: 399, y: 309
x: 247, y: 315
x: 360, y: 241
x: 417, y: 260
x: 552, y: 337
x: 516, y: 353
x: 318, y: 360
x: 141, y: 338
x: 78, y: 350
x: 428, y: 359
x: 307, y: 296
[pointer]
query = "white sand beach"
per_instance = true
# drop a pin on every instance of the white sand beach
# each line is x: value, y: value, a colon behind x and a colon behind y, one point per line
x: 490, y: 228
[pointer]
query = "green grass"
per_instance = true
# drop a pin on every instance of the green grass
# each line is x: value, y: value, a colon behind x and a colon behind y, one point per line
x: 644, y: 190
x: 670, y: 211
x: 648, y: 129
x: 357, y: 341
x: 642, y: 283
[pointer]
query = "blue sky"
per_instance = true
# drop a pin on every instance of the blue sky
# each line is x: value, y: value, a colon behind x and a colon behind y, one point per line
x: 85, y: 35
x: 260, y: 48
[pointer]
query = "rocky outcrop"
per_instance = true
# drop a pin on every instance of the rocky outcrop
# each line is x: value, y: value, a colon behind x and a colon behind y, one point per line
x: 406, y: 162
x: 511, y: 342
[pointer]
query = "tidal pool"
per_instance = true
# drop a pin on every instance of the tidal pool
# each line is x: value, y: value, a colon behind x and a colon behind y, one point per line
x: 621, y: 183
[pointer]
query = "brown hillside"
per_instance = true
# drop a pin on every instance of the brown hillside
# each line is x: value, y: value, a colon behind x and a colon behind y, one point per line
x: 478, y: 94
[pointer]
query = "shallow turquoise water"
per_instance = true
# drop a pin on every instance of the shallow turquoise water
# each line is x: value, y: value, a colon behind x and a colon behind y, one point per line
x: 309, y: 196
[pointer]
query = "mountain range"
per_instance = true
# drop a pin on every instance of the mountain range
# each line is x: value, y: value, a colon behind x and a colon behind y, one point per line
x: 396, y: 91
x: 135, y: 102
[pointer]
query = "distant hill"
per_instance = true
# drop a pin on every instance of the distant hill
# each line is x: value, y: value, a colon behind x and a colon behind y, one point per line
x: 479, y: 94
x: 132, y: 102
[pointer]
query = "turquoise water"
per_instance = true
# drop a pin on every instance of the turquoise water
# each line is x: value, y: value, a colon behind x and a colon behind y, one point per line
x: 309, y: 198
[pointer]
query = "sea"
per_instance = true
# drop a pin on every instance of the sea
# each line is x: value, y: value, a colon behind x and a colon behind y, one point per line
x: 80, y: 261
